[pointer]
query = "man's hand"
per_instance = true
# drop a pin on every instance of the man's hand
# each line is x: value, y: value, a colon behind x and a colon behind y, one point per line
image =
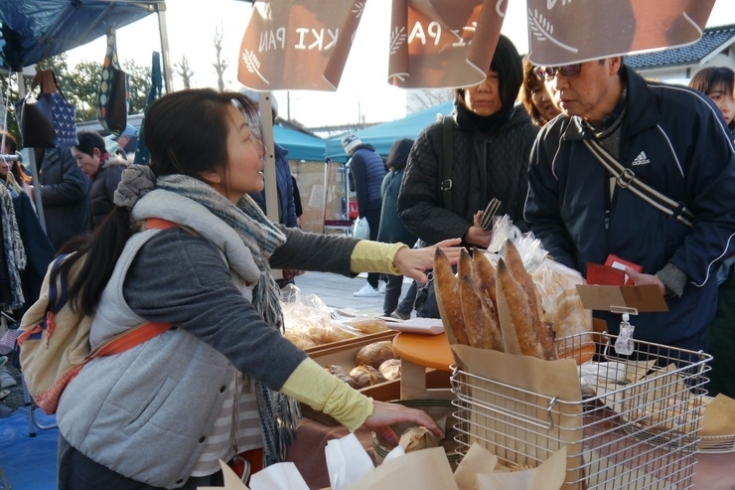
x: 640, y: 278
x: 413, y: 262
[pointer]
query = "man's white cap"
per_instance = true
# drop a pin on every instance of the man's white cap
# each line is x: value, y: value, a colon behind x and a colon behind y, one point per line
x: 350, y: 142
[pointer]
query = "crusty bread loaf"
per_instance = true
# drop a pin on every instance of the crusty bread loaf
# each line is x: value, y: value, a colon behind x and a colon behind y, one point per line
x: 366, y: 376
x: 481, y: 325
x: 446, y: 287
x: 486, y: 273
x: 464, y: 266
x: 516, y: 320
x: 484, y: 279
x: 514, y: 263
x: 375, y: 354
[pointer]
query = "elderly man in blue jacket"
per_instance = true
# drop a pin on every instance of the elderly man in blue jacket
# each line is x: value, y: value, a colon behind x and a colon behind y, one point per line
x: 672, y: 139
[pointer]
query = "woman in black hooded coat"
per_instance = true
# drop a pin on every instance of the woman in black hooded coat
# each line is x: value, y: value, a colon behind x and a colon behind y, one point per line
x: 491, y: 140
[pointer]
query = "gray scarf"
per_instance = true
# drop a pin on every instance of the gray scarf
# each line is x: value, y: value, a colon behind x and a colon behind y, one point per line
x: 279, y: 414
x: 15, y: 254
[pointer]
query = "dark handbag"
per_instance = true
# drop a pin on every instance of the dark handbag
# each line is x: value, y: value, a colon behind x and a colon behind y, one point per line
x: 112, y: 97
x: 142, y: 155
x: 46, y: 120
x: 425, y: 303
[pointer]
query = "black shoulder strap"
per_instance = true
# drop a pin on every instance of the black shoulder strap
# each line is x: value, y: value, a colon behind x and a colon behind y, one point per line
x: 58, y: 286
x: 446, y: 183
x: 625, y: 179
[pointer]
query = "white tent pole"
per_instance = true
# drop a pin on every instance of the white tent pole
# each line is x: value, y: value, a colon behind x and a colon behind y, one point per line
x: 32, y: 158
x: 271, y: 186
x: 326, y: 185
x: 163, y: 30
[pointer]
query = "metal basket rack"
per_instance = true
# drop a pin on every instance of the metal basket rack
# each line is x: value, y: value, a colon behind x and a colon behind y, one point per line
x: 634, y: 427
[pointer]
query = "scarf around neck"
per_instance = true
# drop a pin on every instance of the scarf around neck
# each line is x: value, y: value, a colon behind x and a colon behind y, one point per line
x: 279, y: 414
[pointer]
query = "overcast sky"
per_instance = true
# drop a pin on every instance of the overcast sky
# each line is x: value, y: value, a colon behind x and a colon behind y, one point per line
x: 364, y: 91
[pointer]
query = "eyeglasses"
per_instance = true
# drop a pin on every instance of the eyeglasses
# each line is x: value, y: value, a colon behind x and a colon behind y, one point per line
x: 549, y: 72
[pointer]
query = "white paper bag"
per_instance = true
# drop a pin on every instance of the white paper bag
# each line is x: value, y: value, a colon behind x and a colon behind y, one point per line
x: 279, y: 476
x: 347, y: 461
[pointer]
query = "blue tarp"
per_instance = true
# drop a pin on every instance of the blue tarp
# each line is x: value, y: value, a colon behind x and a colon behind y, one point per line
x: 300, y: 146
x: 382, y: 136
x: 33, y: 30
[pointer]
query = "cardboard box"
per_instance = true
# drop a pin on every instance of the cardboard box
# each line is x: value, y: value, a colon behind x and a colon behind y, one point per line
x: 644, y: 298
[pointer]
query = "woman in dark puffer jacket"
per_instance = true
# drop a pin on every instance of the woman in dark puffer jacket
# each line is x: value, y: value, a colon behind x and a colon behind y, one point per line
x: 491, y: 141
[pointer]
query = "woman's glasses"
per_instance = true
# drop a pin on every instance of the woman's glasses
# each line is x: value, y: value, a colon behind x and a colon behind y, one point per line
x: 549, y: 72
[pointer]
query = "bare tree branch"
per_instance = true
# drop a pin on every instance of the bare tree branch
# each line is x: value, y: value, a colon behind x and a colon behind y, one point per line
x: 220, y: 64
x: 183, y: 70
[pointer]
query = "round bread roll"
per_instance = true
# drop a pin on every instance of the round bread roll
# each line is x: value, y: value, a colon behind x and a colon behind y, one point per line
x: 366, y: 376
x: 375, y: 354
x: 391, y: 369
x: 340, y: 372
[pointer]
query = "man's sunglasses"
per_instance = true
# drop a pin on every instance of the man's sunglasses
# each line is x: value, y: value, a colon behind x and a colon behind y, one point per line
x: 549, y: 72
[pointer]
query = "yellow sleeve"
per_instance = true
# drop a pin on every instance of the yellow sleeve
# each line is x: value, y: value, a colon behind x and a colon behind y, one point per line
x: 370, y: 256
x: 312, y: 384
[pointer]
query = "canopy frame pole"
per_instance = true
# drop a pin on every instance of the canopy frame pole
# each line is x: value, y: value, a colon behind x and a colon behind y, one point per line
x: 326, y: 191
x: 163, y: 31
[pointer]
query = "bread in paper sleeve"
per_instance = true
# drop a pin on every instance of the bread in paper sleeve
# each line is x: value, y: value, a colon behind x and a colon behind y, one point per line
x: 543, y: 335
x: 480, y: 319
x: 446, y: 286
x: 417, y: 437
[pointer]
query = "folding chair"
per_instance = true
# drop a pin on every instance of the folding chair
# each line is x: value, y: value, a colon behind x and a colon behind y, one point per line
x: 28, y: 404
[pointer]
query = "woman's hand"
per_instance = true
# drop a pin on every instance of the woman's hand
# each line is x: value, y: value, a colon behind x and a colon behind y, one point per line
x: 386, y: 414
x: 477, y: 235
x: 412, y: 262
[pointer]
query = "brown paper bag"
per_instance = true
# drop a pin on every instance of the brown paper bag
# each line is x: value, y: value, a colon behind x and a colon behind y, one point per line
x: 514, y: 422
x: 427, y: 469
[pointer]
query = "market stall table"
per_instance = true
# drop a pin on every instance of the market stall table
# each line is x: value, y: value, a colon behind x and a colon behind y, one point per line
x: 418, y: 352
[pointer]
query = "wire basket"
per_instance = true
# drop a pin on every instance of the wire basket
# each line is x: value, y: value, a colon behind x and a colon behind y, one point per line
x: 635, y: 425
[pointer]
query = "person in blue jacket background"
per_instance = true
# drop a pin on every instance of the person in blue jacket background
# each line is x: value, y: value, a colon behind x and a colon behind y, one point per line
x: 392, y: 229
x: 367, y: 171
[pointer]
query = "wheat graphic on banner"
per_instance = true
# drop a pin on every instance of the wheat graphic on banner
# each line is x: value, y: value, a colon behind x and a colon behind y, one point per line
x: 565, y: 31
